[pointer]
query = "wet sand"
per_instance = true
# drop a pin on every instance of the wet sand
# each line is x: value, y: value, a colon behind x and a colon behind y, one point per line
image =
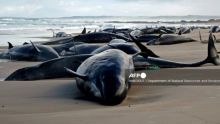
x: 59, y: 101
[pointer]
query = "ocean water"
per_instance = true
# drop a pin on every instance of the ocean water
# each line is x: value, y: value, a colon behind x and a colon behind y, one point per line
x: 18, y: 30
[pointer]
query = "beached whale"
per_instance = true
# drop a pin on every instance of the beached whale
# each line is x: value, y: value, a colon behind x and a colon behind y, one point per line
x: 80, y: 49
x: 115, y: 30
x: 212, y: 57
x: 125, y: 47
x: 170, y: 39
x: 86, y: 48
x: 49, y: 69
x: 142, y: 37
x: 43, y: 71
x: 185, y: 30
x: 61, y: 47
x: 105, y: 76
x: 159, y: 30
x: 98, y: 37
x: 61, y: 40
x: 214, y: 29
x: 29, y: 52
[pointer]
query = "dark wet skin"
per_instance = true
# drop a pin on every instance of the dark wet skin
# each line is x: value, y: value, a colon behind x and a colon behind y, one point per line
x: 170, y: 39
x: 107, y: 76
x: 99, y: 37
x: 29, y: 53
x: 43, y: 70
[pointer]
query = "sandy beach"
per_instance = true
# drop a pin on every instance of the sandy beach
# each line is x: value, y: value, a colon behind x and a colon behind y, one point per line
x: 59, y: 101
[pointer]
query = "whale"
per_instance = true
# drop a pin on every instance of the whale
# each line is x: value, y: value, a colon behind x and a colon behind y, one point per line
x: 43, y: 70
x: 105, y: 76
x: 38, y: 72
x: 212, y: 57
x: 185, y: 30
x: 170, y: 40
x: 98, y: 37
x: 61, y: 47
x: 29, y: 52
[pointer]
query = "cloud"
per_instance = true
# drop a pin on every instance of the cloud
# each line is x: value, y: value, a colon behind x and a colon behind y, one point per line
x: 13, y: 10
x: 61, y: 8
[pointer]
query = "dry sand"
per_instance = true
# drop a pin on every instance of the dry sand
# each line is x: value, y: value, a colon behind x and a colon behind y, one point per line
x: 59, y: 101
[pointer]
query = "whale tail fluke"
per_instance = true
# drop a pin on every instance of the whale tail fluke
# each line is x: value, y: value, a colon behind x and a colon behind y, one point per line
x: 213, y: 56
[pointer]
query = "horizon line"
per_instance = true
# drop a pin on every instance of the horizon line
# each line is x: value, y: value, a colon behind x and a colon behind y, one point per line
x: 112, y: 16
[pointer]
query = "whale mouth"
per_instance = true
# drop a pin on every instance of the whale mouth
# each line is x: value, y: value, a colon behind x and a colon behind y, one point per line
x: 112, y: 89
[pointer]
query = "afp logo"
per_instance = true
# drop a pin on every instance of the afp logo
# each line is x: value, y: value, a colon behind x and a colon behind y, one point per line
x: 138, y: 75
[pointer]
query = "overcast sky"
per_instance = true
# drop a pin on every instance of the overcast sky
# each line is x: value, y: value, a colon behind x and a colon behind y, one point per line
x: 63, y: 8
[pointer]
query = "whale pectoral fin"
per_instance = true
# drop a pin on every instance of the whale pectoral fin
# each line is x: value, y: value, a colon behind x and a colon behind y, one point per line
x: 143, y: 54
x: 25, y: 43
x: 84, y: 77
x: 10, y: 45
x: 35, y: 47
x: 180, y: 32
x: 143, y: 48
x: 83, y: 31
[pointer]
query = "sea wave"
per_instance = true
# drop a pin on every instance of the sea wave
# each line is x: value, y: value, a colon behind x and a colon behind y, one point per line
x: 100, y: 22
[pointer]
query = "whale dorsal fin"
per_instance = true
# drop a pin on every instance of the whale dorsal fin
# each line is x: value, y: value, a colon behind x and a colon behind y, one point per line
x: 180, y: 32
x: 35, y: 47
x: 84, y: 77
x: 25, y: 43
x: 84, y: 31
x: 200, y: 36
x: 113, y: 30
x: 10, y: 45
